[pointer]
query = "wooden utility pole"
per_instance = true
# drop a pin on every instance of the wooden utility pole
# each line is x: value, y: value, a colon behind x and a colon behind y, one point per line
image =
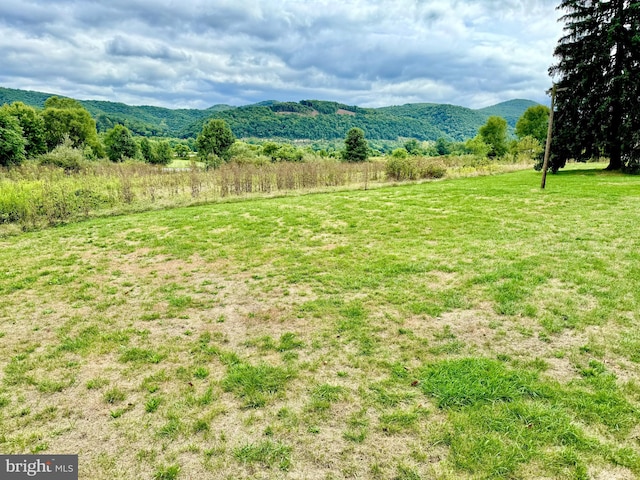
x: 547, y: 149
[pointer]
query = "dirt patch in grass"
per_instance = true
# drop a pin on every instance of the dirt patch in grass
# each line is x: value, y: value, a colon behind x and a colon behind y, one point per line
x: 139, y: 354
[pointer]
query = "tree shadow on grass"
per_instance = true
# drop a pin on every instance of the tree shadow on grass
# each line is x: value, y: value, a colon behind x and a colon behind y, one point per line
x: 588, y: 171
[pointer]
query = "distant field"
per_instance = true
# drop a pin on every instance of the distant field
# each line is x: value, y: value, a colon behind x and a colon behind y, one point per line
x: 467, y: 328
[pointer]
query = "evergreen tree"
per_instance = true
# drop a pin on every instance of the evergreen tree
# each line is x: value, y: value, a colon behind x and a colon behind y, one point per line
x: 356, y: 148
x: 598, y: 106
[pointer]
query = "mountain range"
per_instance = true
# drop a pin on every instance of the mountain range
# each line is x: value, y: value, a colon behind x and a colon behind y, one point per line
x: 307, y: 119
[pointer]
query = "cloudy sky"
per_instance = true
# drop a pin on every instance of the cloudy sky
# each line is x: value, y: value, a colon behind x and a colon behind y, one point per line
x: 197, y: 53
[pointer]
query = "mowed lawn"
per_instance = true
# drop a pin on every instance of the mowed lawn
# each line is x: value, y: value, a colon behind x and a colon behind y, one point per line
x: 467, y: 328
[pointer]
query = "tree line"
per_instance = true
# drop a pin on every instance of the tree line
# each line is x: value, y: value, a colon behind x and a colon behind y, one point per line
x: 63, y: 132
x: 216, y: 143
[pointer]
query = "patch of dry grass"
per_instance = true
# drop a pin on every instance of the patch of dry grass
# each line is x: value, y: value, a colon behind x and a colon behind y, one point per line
x: 294, y: 337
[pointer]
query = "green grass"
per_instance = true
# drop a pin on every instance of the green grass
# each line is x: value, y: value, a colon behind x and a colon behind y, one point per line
x: 463, y: 329
x: 167, y: 473
x: 267, y: 453
x: 255, y: 384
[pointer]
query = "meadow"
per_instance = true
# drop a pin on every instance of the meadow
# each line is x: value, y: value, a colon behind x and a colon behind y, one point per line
x: 33, y: 196
x: 469, y: 328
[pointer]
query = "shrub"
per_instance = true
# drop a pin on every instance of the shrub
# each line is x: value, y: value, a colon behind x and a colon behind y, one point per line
x: 64, y: 156
x: 413, y: 168
x: 401, y: 168
x: 400, y: 153
x: 213, y: 161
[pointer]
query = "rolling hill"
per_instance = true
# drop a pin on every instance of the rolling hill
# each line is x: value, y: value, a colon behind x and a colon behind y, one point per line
x: 307, y: 119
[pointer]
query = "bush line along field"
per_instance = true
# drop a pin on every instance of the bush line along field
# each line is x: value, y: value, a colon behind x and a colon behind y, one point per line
x: 32, y: 196
x: 468, y: 328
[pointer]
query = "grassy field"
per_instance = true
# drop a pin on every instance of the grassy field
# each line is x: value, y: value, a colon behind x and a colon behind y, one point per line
x: 466, y: 328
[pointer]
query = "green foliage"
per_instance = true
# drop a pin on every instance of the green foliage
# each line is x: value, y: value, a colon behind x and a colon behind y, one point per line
x: 412, y: 146
x: 528, y: 147
x: 308, y: 119
x: 146, y: 150
x: 356, y: 148
x: 400, y: 153
x: 332, y: 120
x: 494, y: 134
x: 160, y: 152
x: 215, y: 139
x: 64, y: 156
x: 32, y: 126
x: 12, y: 143
x: 402, y: 167
x: 181, y: 150
x: 163, y: 153
x: 443, y: 146
x: 598, y: 95
x: 28, y: 97
x: 282, y: 152
x: 64, y: 116
x: 477, y: 146
x: 534, y: 123
x: 63, y: 103
x: 243, y: 153
x: 120, y: 144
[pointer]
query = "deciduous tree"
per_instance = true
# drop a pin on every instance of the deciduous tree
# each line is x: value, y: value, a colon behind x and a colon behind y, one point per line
x: 65, y: 116
x: 32, y: 126
x: 120, y: 144
x: 163, y: 153
x: 534, y: 122
x: 11, y: 140
x: 215, y: 139
x: 147, y: 151
x: 494, y: 134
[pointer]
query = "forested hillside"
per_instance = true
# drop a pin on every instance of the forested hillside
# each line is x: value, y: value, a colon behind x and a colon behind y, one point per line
x: 308, y: 119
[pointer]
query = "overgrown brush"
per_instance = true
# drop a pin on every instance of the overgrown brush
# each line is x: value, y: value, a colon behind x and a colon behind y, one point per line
x: 61, y: 186
x: 414, y: 168
x: 36, y: 195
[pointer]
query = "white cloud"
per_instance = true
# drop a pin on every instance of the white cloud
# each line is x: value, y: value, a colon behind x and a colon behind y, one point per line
x: 197, y: 53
